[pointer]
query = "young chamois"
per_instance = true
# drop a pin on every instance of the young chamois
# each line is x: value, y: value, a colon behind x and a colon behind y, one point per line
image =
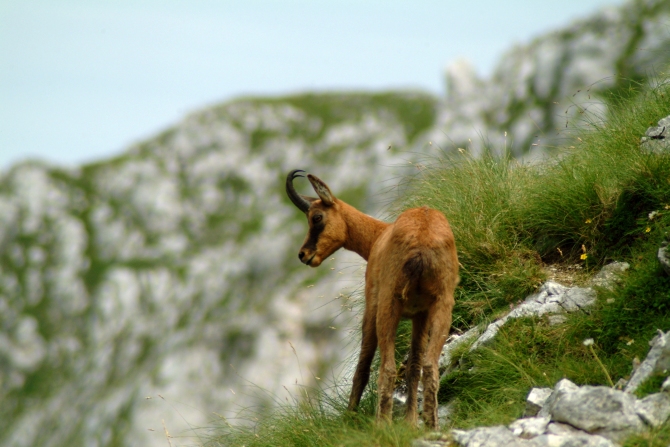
x: 412, y: 272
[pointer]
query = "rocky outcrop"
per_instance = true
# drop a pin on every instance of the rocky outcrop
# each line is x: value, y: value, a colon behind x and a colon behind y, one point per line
x: 663, y: 257
x: 657, y: 138
x: 538, y: 87
x: 571, y: 416
x: 552, y: 299
x: 657, y: 362
x: 173, y: 269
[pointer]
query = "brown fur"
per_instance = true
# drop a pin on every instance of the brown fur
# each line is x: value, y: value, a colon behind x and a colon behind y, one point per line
x: 412, y: 273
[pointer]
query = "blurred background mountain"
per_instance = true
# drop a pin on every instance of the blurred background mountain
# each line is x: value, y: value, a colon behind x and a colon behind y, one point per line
x: 172, y: 268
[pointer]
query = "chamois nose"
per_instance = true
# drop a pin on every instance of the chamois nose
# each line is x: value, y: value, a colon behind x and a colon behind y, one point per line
x: 301, y: 255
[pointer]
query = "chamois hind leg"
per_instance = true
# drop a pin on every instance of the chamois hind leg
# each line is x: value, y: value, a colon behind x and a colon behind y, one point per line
x: 416, y: 354
x: 368, y: 348
x: 439, y: 320
x: 388, y: 317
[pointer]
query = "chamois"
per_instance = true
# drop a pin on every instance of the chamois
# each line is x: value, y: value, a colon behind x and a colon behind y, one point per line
x: 412, y: 272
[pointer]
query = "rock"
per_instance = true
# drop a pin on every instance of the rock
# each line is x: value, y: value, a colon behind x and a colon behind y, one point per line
x: 666, y: 385
x: 427, y: 443
x: 536, y: 400
x: 657, y: 138
x: 552, y: 298
x: 597, y: 410
x: 444, y: 413
x: 654, y: 409
x: 657, y: 361
x: 664, y: 259
x: 609, y: 275
x: 502, y: 437
x: 574, y: 416
x: 572, y: 440
x: 564, y: 386
x: 559, y: 428
x: 453, y: 343
x: 529, y: 427
x: 487, y: 437
x: 544, y: 79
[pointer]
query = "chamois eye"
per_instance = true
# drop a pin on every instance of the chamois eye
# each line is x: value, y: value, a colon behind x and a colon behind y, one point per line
x: 318, y: 218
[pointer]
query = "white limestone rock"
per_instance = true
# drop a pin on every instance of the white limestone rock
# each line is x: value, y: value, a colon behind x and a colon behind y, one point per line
x: 571, y: 440
x: 561, y: 429
x: 529, y: 427
x: 536, y: 399
x: 551, y: 298
x: 562, y: 387
x: 609, y: 275
x: 654, y: 409
x: 598, y: 410
x: 664, y: 257
x: 657, y: 361
x: 657, y: 138
x: 487, y: 437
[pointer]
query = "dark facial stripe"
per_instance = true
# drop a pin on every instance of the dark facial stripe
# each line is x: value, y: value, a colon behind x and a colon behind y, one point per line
x: 314, y: 233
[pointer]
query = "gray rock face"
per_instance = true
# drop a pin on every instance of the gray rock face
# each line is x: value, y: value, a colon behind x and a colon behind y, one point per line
x: 657, y: 138
x: 657, y: 361
x: 543, y: 79
x: 552, y: 298
x: 598, y: 410
x: 487, y: 437
x: 529, y: 427
x: 172, y: 269
x: 536, y: 400
x: 573, y: 440
x: 654, y: 409
x: 570, y: 415
x: 562, y: 387
x: 609, y: 275
x: 502, y: 437
x: 663, y: 257
x: 453, y: 344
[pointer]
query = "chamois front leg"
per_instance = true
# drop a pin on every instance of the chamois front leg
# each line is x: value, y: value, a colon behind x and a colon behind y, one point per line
x: 416, y: 354
x: 439, y: 320
x: 368, y: 348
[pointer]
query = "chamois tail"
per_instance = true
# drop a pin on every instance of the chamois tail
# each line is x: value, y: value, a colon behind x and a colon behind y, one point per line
x: 413, y: 270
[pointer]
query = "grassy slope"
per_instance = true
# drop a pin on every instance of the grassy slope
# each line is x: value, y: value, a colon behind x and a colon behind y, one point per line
x: 587, y: 208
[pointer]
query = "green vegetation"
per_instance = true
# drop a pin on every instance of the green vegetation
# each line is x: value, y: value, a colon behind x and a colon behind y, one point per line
x: 603, y: 199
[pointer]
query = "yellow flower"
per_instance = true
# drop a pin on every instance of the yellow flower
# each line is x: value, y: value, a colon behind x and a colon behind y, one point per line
x: 647, y: 230
x: 583, y: 257
x: 588, y: 221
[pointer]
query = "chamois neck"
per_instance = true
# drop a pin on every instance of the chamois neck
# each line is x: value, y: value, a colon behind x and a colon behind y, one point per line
x: 362, y: 230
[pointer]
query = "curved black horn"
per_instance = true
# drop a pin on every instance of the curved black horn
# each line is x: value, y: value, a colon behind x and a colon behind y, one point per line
x: 298, y: 200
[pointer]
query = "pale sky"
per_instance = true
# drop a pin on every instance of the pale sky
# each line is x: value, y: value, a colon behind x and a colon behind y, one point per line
x: 80, y: 80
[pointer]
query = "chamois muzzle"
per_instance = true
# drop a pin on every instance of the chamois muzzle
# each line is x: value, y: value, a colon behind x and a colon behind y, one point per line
x: 303, y: 203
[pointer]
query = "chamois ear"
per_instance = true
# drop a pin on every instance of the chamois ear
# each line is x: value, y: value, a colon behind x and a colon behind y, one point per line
x: 322, y: 190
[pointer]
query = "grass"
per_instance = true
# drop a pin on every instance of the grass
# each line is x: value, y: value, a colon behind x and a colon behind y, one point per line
x: 602, y: 199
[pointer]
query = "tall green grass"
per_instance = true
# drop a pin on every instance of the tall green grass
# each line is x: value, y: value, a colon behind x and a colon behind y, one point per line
x: 585, y: 207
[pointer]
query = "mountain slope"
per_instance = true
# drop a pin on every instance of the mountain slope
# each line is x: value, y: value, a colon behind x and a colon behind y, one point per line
x: 172, y: 269
x: 538, y: 87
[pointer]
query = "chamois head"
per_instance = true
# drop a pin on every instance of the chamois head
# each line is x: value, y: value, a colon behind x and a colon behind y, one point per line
x: 327, y: 228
